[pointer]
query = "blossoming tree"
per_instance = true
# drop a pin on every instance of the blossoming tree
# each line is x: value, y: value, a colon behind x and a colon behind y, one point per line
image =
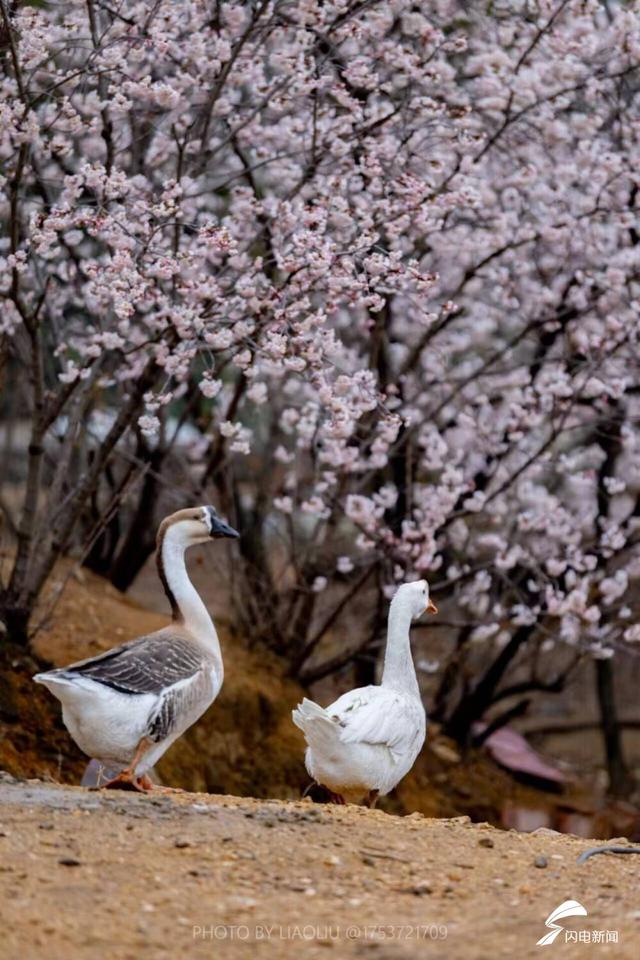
x: 381, y: 259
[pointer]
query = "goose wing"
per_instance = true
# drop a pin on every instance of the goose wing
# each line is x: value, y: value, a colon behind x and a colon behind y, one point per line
x: 150, y: 664
x: 376, y: 715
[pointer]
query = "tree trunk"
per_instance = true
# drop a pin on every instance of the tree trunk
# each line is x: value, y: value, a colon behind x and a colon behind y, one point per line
x: 621, y: 781
x: 140, y: 540
x: 16, y: 621
x: 474, y: 706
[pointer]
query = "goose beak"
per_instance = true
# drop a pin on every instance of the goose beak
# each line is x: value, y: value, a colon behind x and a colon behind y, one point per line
x: 431, y: 607
x: 221, y: 529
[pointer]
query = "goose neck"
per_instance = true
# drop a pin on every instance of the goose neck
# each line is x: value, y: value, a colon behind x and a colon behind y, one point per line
x: 399, y: 672
x: 187, y: 607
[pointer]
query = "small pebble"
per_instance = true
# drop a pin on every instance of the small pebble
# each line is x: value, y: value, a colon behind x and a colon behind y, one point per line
x: 300, y: 887
x: 181, y: 844
x: 421, y: 889
x: 69, y: 862
x: 485, y: 842
x: 540, y: 862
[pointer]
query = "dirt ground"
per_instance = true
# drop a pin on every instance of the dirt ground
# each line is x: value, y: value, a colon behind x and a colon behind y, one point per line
x: 91, y: 875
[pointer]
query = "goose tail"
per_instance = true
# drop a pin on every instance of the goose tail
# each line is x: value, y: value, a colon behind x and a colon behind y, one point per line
x: 319, y: 729
x: 55, y: 678
x: 49, y: 679
x: 68, y: 687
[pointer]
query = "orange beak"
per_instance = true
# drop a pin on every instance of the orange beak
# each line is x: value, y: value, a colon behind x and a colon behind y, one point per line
x: 431, y: 607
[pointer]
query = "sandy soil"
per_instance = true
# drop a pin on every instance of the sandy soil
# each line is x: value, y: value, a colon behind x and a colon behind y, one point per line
x: 92, y: 875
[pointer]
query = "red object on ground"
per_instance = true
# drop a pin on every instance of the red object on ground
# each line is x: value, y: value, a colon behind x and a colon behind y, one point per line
x: 511, y: 750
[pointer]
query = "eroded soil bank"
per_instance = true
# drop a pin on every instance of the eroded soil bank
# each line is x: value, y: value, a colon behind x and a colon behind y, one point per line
x: 93, y: 875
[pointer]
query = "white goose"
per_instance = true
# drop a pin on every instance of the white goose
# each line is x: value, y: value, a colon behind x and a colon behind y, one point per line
x: 363, y: 744
x: 125, y: 707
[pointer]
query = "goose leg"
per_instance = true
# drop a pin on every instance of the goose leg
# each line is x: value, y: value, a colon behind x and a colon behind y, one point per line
x: 372, y: 799
x: 126, y: 779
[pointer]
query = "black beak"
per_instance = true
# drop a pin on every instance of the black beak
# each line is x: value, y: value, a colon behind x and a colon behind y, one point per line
x: 221, y: 529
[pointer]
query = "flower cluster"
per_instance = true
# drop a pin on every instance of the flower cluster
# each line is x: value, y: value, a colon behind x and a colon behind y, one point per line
x: 389, y: 254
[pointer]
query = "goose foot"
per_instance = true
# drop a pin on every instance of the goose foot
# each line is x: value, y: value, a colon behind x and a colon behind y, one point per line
x: 335, y: 797
x: 321, y: 794
x: 146, y: 783
x: 372, y: 799
x: 143, y: 784
x: 125, y: 781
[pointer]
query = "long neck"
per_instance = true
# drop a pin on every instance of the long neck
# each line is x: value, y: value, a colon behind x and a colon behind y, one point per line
x: 187, y: 607
x: 399, y: 672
